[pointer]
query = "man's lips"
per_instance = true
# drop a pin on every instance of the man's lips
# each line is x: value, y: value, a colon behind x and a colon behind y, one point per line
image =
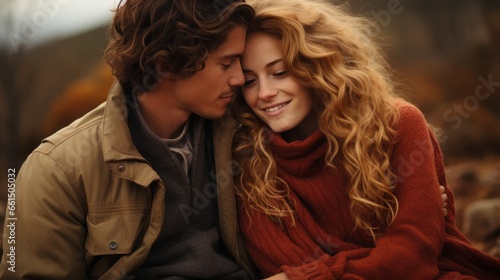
x: 227, y: 94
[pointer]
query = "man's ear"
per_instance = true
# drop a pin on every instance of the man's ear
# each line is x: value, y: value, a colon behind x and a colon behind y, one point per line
x: 161, y: 72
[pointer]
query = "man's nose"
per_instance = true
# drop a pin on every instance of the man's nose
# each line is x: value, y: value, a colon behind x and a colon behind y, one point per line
x: 237, y: 79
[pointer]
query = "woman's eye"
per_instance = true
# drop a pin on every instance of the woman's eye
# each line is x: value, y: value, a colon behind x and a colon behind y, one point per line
x: 225, y: 66
x: 280, y: 74
x: 249, y: 82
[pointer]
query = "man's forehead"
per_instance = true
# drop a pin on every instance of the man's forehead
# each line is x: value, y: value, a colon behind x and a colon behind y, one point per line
x: 234, y: 44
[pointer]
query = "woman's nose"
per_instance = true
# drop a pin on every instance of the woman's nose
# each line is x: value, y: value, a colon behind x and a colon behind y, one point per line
x: 266, y: 90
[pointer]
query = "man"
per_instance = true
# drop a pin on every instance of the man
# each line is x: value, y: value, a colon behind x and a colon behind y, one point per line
x: 129, y: 190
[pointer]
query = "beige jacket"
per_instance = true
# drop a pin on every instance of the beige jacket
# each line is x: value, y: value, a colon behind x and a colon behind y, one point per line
x: 88, y: 205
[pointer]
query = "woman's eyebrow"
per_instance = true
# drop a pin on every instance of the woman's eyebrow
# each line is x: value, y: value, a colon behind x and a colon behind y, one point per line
x: 267, y: 65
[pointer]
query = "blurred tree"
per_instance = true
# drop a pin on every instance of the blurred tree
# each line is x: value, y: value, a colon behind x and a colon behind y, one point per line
x: 448, y: 53
x: 33, y: 74
x: 11, y: 52
x: 77, y: 99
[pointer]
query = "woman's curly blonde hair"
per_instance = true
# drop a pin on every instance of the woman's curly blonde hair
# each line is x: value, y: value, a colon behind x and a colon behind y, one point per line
x: 334, y: 54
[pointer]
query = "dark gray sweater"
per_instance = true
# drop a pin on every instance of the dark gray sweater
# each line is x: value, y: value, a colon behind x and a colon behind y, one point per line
x: 189, y: 245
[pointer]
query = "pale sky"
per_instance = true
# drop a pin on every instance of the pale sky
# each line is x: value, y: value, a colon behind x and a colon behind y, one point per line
x: 40, y: 20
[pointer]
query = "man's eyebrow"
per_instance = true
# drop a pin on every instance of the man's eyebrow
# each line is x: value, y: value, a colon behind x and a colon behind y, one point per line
x: 232, y: 55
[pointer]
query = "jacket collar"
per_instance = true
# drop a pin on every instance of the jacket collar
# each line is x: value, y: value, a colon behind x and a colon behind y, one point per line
x: 223, y: 131
x: 118, y: 148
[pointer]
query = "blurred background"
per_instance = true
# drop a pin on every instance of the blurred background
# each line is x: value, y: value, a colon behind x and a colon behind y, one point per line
x: 447, y: 52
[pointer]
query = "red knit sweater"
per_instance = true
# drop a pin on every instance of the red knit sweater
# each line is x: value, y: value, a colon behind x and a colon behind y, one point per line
x: 419, y: 244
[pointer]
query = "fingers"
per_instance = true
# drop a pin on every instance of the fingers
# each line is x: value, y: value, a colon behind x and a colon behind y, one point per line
x: 444, y: 197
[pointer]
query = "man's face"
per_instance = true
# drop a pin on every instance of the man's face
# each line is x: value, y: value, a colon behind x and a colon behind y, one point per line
x: 208, y: 92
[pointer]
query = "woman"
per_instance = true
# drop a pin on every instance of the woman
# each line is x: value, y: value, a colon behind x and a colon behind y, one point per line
x: 339, y: 178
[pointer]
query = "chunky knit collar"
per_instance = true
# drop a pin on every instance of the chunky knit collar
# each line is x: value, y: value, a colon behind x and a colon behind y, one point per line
x: 300, y: 158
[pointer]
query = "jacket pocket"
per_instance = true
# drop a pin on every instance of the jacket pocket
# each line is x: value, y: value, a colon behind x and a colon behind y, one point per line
x: 114, y: 230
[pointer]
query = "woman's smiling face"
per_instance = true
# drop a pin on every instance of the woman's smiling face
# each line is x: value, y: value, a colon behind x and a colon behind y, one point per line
x: 274, y: 95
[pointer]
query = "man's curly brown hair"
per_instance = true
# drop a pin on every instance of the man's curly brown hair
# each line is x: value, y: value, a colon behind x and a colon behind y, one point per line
x: 172, y: 36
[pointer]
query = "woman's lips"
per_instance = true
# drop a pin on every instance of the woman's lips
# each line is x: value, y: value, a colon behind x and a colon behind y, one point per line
x: 276, y: 110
